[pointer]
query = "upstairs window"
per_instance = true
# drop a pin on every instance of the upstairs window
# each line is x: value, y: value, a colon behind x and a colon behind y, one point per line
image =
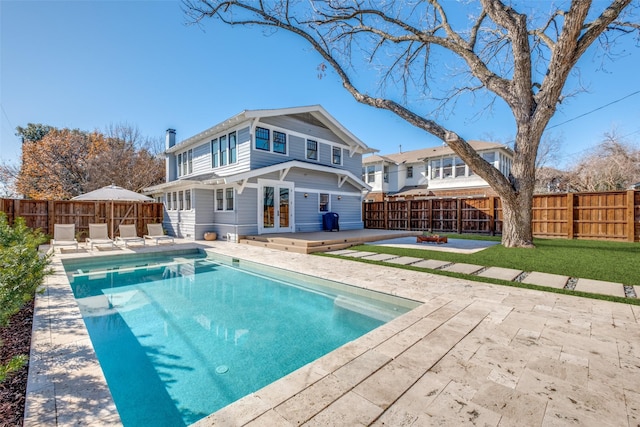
x: 460, y: 167
x: 215, y: 155
x: 336, y: 157
x: 312, y: 149
x: 371, y: 173
x: 447, y: 167
x: 262, y: 139
x: 409, y: 171
x: 232, y: 147
x: 385, y: 174
x: 223, y: 150
x: 490, y: 157
x: 279, y: 142
x: 190, y: 161
x: 436, y: 169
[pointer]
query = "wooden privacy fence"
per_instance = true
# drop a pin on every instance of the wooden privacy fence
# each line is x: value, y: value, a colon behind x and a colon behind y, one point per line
x: 43, y: 214
x: 609, y: 215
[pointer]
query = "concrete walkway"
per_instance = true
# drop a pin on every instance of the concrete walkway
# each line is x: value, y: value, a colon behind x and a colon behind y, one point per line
x: 471, y: 354
x: 506, y: 274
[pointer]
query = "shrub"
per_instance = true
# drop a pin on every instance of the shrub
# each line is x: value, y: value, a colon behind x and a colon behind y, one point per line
x: 22, y: 267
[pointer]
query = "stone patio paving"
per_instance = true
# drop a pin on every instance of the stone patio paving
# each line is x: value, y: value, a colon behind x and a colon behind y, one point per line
x: 471, y: 354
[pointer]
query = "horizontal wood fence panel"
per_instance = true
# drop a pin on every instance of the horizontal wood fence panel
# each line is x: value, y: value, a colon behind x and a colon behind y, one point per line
x: 609, y: 215
x: 44, y: 214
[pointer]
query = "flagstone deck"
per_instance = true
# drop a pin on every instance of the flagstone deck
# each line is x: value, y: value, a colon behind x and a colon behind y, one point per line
x: 471, y: 354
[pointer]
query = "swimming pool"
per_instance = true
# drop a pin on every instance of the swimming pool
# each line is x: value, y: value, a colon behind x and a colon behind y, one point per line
x: 182, y: 334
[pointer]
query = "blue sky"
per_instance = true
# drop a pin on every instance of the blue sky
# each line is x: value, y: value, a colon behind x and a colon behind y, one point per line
x: 88, y: 64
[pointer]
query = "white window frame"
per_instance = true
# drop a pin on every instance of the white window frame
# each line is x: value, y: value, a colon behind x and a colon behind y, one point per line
x: 225, y: 205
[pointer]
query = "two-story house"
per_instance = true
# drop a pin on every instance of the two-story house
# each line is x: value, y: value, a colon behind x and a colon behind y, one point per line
x: 263, y: 171
x: 431, y: 172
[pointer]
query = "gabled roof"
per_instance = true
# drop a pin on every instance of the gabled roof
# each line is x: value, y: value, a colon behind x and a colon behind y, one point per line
x: 420, y: 155
x: 315, y: 114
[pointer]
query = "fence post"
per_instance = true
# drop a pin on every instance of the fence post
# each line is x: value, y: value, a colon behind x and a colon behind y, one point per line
x: 631, y: 226
x: 570, y: 224
x: 430, y: 205
x: 459, y: 216
x: 492, y: 215
x: 50, y: 216
x: 385, y: 210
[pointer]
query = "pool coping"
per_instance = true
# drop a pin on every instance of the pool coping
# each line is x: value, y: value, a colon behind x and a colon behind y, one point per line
x: 375, y: 378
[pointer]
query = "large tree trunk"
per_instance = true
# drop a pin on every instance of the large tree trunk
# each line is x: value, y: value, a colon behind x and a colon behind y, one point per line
x: 516, y: 222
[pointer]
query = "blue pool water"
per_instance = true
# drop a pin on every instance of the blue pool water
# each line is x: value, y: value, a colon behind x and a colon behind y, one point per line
x: 179, y: 336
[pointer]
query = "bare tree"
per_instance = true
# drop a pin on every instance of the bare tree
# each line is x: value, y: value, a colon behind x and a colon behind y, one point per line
x: 613, y: 165
x: 523, y: 59
x: 8, y: 176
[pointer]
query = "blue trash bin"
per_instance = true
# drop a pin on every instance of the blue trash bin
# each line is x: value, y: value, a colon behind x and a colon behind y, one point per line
x: 330, y: 221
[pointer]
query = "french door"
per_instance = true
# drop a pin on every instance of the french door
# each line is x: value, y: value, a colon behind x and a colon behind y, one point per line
x: 275, y: 210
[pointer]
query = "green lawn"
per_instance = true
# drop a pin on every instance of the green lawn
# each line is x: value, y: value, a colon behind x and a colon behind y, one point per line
x: 589, y: 259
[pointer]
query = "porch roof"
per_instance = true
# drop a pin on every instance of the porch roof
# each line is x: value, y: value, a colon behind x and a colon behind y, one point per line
x: 208, y: 180
x: 284, y: 168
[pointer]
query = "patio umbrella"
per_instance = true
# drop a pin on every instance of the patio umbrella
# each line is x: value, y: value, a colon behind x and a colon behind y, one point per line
x: 114, y: 193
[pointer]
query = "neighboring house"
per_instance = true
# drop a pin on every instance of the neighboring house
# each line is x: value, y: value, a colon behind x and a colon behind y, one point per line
x: 263, y: 171
x: 431, y: 172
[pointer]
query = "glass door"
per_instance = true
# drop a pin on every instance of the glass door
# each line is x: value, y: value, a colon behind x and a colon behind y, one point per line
x: 276, y: 216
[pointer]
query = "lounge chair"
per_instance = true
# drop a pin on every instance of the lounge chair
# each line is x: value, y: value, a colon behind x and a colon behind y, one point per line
x: 64, y: 235
x: 98, y: 236
x: 129, y: 235
x: 156, y: 233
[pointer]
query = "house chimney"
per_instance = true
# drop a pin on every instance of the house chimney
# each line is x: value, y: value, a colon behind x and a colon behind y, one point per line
x: 170, y: 140
x: 169, y: 159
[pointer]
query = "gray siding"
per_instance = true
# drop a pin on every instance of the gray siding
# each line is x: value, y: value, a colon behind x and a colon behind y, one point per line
x: 317, y: 180
x: 296, y: 125
x: 201, y: 159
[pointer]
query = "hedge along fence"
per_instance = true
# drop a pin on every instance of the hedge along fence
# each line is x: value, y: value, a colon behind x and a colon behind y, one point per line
x: 608, y: 216
x: 43, y: 214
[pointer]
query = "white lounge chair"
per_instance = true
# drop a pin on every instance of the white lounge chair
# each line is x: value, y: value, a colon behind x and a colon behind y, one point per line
x: 98, y: 236
x: 128, y: 234
x: 64, y: 235
x: 156, y: 233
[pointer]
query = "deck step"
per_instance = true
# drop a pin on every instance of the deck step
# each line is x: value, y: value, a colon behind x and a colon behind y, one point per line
x: 297, y: 248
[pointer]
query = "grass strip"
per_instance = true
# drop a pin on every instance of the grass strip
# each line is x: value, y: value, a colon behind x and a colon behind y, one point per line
x: 588, y: 259
x: 612, y: 298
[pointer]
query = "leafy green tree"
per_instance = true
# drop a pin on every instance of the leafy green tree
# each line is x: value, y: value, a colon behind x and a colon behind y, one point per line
x: 33, y: 132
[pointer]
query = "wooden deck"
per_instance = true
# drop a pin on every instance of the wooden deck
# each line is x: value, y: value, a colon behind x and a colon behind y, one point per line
x: 321, y: 241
